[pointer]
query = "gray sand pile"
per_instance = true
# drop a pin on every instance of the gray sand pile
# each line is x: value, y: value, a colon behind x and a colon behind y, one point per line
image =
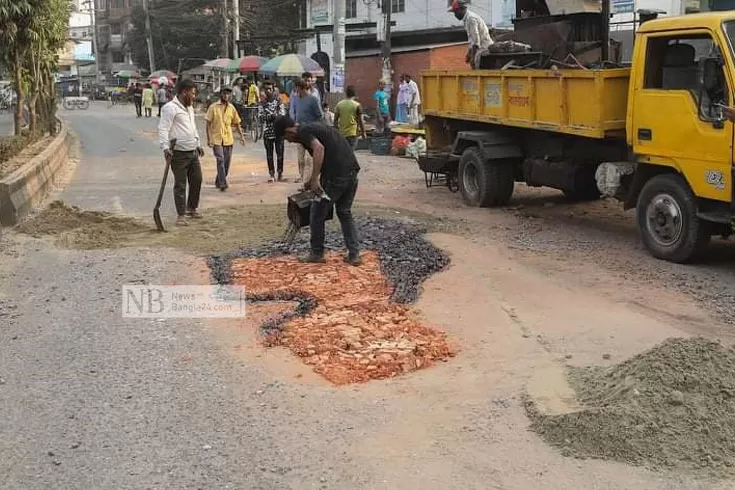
x: 671, y: 406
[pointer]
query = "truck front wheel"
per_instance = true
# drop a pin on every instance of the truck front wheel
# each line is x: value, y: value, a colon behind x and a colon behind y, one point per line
x: 668, y: 222
x: 484, y: 183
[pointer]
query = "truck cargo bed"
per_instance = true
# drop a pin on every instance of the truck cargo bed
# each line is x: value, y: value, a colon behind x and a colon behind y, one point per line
x: 591, y: 103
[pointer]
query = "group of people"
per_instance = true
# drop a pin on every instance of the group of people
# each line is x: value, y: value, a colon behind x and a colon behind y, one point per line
x: 145, y: 97
x: 408, y: 101
x: 332, y: 171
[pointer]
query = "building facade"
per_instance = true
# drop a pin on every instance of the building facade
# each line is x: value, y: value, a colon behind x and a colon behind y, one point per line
x: 113, y: 19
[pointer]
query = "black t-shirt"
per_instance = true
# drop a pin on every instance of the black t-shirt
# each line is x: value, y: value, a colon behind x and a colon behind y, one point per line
x: 339, y: 157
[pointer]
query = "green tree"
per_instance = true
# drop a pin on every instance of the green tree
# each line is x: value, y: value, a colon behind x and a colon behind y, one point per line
x: 181, y: 29
x: 31, y: 33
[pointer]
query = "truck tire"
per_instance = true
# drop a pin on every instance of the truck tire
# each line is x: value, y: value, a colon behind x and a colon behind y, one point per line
x: 668, y: 222
x: 484, y: 183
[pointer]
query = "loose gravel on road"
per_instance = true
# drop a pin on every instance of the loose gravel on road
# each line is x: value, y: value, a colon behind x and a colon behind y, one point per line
x: 407, y: 258
x: 672, y: 406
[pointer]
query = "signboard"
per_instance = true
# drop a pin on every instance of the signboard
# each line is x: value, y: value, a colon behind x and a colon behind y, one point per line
x: 319, y: 12
x: 622, y: 6
x: 338, y: 79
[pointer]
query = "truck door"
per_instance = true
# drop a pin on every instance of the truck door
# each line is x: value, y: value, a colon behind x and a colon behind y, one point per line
x: 673, y: 123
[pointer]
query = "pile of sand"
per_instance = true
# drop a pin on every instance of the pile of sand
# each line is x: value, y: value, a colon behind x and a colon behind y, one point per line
x: 347, y: 327
x: 671, y: 406
x: 78, y: 228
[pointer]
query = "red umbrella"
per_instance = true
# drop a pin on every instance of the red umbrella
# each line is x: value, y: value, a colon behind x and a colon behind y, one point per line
x: 250, y: 64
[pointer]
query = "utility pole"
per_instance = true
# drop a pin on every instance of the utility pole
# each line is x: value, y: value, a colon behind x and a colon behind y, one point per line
x: 225, y: 30
x: 236, y: 27
x: 93, y: 12
x: 387, y: 71
x: 339, y: 77
x: 149, y: 37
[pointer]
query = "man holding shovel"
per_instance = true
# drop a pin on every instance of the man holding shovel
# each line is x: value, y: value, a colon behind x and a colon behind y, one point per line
x: 333, y: 178
x: 177, y: 122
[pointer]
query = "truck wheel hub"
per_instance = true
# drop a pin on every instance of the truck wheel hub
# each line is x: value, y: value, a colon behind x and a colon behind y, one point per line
x: 664, y: 219
x: 469, y: 177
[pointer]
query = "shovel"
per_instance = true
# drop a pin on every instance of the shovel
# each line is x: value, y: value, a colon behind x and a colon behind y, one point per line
x: 157, y: 209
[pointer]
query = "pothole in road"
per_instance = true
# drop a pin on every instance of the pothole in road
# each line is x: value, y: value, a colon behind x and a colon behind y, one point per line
x: 352, y: 324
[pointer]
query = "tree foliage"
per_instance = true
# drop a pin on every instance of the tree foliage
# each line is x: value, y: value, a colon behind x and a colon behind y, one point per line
x: 182, y: 30
x: 191, y: 30
x: 31, y: 34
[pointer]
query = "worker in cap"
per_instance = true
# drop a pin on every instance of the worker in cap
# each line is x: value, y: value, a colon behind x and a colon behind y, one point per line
x: 478, y: 34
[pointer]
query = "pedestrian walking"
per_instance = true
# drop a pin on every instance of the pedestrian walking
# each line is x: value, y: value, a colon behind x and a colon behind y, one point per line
x: 403, y: 99
x: 221, y: 118
x: 148, y: 98
x: 308, y: 110
x: 348, y: 117
x: 383, y: 115
x: 177, y: 122
x: 328, y: 114
x: 333, y: 178
x: 138, y: 99
x: 414, y: 100
x: 270, y: 109
x: 162, y: 96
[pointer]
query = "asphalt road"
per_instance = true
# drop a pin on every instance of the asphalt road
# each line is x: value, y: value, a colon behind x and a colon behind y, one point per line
x: 91, y: 400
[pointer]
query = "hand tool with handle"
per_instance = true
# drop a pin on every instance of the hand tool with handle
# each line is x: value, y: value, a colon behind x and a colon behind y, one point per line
x: 157, y: 209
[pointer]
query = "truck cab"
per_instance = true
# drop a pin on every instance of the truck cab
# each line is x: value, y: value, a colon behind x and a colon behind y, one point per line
x: 682, y: 145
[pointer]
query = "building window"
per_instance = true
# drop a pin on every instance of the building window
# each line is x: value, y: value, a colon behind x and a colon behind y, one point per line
x: 398, y: 6
x: 115, y: 29
x: 351, y: 9
x: 118, y: 57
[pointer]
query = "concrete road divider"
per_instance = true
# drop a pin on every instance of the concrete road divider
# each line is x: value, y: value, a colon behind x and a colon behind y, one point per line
x: 30, y: 184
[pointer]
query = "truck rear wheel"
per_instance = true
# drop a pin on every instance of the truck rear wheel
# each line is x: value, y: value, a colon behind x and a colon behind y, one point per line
x: 484, y: 183
x: 668, y: 222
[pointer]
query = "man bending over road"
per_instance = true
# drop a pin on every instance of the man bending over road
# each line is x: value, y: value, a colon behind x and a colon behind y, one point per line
x: 333, y: 177
x: 177, y: 122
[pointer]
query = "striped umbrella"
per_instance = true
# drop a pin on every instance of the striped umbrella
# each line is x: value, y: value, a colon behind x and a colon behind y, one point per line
x: 291, y: 65
x: 220, y: 64
x: 248, y: 64
x: 162, y: 73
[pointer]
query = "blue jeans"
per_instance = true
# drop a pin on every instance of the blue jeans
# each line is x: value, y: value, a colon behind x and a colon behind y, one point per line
x: 223, y: 155
x: 342, y: 194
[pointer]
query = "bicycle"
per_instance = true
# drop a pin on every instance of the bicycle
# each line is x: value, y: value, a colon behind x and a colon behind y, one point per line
x: 81, y: 103
x: 254, y: 124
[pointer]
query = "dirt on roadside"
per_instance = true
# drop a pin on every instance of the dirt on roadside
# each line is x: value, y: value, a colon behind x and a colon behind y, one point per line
x: 672, y: 406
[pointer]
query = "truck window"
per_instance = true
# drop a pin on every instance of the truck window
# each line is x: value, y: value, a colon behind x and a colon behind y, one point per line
x: 672, y: 63
x: 675, y: 63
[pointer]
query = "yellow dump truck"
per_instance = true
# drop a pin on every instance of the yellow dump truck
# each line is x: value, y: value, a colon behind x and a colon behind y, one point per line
x: 652, y: 135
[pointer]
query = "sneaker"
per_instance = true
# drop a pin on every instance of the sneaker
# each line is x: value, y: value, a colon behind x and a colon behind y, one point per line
x: 193, y: 213
x: 353, y: 260
x: 181, y: 221
x: 312, y: 259
x: 271, y: 179
x: 280, y: 177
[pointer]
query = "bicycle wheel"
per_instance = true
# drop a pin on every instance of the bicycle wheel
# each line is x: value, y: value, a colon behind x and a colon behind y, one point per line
x: 68, y: 105
x: 83, y: 105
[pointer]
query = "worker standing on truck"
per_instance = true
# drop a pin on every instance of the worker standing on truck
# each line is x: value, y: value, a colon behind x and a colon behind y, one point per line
x: 478, y: 34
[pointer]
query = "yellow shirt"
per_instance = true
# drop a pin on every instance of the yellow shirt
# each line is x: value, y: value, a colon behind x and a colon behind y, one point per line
x: 221, y: 118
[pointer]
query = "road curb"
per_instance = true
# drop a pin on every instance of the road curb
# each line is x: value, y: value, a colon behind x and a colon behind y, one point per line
x: 29, y: 185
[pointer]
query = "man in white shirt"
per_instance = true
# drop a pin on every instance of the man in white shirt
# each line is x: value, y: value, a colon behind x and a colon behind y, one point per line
x: 478, y: 34
x: 177, y: 122
x: 414, y: 100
